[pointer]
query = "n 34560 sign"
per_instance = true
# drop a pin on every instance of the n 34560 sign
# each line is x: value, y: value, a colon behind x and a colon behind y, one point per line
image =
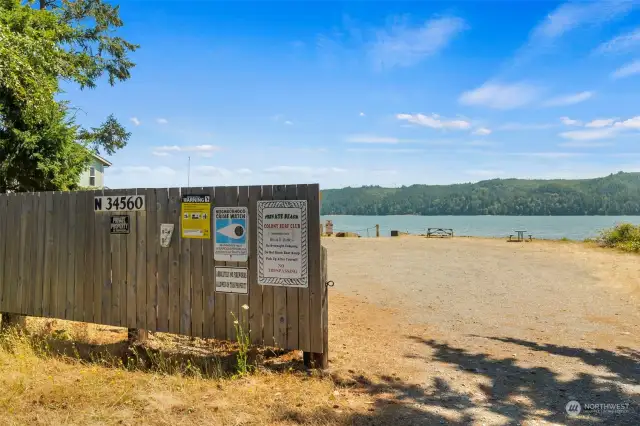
x: 120, y: 203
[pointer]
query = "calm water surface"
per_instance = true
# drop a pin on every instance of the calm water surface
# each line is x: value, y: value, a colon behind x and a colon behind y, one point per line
x: 548, y: 227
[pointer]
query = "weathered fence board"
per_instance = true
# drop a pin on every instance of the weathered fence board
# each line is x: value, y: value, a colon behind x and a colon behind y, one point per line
x: 208, y: 279
x: 3, y: 237
x: 174, y: 261
x: 49, y: 256
x: 255, y: 290
x: 220, y: 303
x: 196, y: 307
x: 162, y: 259
x: 152, y: 241
x: 304, y: 342
x: 316, y: 287
x: 59, y: 259
x: 268, y: 334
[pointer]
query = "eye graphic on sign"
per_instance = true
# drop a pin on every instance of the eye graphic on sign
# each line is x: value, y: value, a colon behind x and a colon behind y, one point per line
x: 233, y: 231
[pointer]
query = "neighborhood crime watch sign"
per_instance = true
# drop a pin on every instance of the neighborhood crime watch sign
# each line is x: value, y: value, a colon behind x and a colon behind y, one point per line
x: 230, y: 234
x: 195, y: 213
x: 282, y: 243
x: 119, y: 203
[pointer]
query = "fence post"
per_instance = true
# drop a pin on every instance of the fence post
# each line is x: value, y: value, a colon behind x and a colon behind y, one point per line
x: 137, y: 335
x: 11, y: 320
x: 321, y: 360
x: 377, y: 231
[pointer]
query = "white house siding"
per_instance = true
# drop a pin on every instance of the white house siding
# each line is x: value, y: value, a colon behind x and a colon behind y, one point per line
x: 84, y: 177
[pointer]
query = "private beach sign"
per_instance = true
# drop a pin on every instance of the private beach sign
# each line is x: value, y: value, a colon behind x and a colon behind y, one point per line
x: 282, y: 243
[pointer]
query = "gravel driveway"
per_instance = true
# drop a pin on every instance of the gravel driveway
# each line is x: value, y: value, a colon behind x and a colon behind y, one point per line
x: 491, y: 332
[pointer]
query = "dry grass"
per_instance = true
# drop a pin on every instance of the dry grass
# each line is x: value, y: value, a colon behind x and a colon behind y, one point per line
x: 66, y: 373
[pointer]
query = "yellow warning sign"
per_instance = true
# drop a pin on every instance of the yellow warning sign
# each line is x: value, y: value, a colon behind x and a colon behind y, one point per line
x: 196, y: 216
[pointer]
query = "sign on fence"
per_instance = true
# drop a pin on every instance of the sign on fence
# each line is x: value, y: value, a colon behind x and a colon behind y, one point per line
x: 231, y: 230
x: 232, y: 280
x: 132, y: 203
x: 120, y: 224
x: 196, y: 222
x: 282, y: 243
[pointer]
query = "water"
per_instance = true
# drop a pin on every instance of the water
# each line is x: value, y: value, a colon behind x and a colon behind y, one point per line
x: 547, y: 227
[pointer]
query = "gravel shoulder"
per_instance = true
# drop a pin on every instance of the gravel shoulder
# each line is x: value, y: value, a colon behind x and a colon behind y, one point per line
x: 488, y: 332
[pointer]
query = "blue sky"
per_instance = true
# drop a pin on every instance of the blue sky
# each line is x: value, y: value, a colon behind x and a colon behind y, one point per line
x: 373, y: 92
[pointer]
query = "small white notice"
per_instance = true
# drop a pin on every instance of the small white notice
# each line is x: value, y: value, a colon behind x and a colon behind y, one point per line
x: 231, y: 228
x: 166, y: 232
x: 232, y: 280
x: 119, y: 203
x: 282, y: 243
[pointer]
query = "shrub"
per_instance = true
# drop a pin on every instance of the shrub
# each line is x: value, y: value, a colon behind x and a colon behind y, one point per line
x: 624, y: 236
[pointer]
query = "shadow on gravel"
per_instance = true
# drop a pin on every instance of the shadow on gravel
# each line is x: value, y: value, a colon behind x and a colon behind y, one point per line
x: 625, y: 365
x: 536, y: 393
x: 514, y: 393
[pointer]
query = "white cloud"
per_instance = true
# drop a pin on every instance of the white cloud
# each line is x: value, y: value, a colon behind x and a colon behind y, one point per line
x: 434, y: 121
x: 288, y: 123
x: 526, y: 126
x: 548, y: 155
x: 485, y: 173
x: 362, y: 114
x: 627, y: 70
x: 482, y: 131
x: 402, y: 45
x: 569, y: 122
x: 371, y: 139
x: 569, y: 99
x: 602, y: 122
x: 584, y: 144
x: 303, y: 170
x: 571, y: 16
x: 481, y: 143
x: 211, y: 171
x: 244, y: 172
x: 135, y: 121
x: 385, y: 150
x: 632, y: 123
x: 589, y: 135
x: 162, y: 121
x: 621, y: 43
x: 195, y: 148
x: 501, y: 96
x: 160, y: 153
x: 143, y: 170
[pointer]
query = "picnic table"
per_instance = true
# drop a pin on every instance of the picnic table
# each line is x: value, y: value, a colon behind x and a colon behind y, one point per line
x: 520, y: 237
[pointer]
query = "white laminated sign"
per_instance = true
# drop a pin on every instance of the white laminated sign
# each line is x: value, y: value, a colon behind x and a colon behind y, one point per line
x: 282, y: 243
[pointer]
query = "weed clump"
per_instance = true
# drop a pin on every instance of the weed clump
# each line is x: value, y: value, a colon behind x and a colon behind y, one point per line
x: 624, y: 236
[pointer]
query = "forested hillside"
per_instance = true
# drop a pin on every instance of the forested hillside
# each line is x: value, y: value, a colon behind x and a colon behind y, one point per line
x: 616, y: 194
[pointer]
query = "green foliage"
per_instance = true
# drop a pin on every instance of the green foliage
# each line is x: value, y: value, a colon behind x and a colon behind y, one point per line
x: 41, y: 147
x: 624, y: 236
x: 616, y: 194
x: 243, y: 367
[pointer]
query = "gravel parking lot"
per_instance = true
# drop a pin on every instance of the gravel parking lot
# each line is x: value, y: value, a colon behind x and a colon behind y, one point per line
x: 491, y: 332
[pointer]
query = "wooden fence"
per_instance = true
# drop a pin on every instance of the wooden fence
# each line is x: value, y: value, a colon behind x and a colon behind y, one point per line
x: 58, y: 259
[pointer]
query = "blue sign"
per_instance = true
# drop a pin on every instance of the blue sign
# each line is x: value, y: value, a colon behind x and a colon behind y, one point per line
x: 231, y: 228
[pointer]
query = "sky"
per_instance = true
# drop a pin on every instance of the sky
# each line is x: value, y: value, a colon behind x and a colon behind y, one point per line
x: 372, y: 92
